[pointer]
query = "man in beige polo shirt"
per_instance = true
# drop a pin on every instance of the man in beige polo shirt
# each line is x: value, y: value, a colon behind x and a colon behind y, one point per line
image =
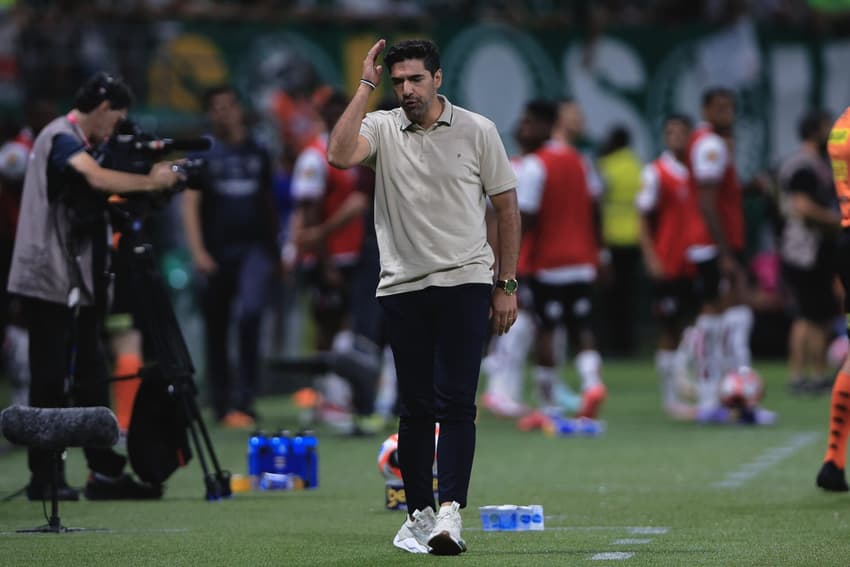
x: 435, y: 164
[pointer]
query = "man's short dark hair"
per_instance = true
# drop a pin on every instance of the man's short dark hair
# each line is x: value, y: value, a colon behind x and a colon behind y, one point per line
x: 215, y: 91
x: 544, y: 110
x: 716, y: 92
x: 810, y: 125
x: 423, y: 49
x: 683, y: 119
x: 103, y: 87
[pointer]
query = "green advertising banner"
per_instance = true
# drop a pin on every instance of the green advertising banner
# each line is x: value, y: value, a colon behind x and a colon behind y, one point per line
x: 631, y: 77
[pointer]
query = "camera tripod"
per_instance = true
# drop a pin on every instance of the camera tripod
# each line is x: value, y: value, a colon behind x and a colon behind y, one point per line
x: 171, y: 364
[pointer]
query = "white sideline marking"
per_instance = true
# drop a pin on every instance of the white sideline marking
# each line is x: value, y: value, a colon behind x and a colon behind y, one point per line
x: 631, y: 541
x: 765, y: 460
x: 612, y: 556
x: 649, y: 530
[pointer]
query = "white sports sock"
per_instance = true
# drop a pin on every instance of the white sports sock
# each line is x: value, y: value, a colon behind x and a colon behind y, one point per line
x: 665, y: 365
x: 506, y: 367
x: 708, y: 351
x: 737, y: 328
x: 589, y: 367
x: 544, y: 386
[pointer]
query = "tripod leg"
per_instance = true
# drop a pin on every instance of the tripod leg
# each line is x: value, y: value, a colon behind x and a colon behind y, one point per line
x: 54, y: 523
x: 222, y: 477
x: 210, y: 482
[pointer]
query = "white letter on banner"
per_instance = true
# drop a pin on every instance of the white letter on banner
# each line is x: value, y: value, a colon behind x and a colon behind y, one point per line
x: 791, y: 83
x: 595, y: 83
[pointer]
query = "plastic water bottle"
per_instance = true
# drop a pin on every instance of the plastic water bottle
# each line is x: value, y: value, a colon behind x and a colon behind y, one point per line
x: 278, y: 453
x: 304, y: 460
x: 257, y: 446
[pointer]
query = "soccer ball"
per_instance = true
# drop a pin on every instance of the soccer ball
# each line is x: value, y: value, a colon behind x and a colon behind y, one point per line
x: 388, y: 456
x: 742, y: 388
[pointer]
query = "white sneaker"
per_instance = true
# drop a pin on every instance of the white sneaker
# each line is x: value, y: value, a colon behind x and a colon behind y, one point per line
x: 503, y: 406
x: 445, y: 537
x: 413, y: 534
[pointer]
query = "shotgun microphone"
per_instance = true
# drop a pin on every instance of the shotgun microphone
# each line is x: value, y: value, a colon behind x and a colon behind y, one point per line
x: 57, y: 428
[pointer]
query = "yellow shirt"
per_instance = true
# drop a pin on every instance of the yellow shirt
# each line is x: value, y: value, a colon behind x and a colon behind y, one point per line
x: 621, y: 171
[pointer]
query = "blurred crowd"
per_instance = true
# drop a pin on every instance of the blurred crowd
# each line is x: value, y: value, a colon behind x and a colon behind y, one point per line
x: 577, y: 12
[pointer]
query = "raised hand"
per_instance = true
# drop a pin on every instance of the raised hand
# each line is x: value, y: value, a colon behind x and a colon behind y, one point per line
x: 371, y: 71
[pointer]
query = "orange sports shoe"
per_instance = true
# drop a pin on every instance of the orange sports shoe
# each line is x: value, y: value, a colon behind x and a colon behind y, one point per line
x: 591, y: 401
x: 235, y: 419
x: 533, y: 420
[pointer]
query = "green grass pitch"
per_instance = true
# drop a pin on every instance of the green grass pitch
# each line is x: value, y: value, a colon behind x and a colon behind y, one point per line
x: 648, y: 492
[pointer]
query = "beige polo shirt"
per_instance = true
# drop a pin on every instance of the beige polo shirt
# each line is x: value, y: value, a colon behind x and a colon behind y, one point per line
x: 430, y: 196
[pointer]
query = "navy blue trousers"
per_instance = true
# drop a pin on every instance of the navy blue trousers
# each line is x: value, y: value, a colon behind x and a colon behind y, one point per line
x: 437, y: 336
x: 243, y: 275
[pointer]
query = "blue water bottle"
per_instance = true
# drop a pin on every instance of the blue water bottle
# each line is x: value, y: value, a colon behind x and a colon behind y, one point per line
x: 305, y: 458
x: 280, y: 453
x: 257, y: 444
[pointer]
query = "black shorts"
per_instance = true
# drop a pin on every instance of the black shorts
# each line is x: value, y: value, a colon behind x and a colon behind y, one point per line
x: 707, y: 282
x: 674, y: 301
x: 814, y: 298
x: 570, y: 304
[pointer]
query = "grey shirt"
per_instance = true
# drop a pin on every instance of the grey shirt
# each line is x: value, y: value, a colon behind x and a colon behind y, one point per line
x: 41, y: 265
x: 430, y: 196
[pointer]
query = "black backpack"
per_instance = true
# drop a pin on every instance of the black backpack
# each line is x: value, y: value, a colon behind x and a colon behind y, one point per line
x: 157, y: 442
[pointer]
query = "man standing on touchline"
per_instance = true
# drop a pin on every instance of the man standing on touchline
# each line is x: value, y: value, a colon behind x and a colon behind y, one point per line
x: 435, y: 164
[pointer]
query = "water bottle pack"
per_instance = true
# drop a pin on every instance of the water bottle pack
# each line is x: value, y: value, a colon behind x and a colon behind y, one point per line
x: 283, y: 461
x: 510, y: 518
x: 557, y: 426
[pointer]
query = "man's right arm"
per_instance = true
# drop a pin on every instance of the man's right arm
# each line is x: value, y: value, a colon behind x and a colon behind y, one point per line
x: 801, y: 198
x: 99, y: 178
x: 346, y: 147
x: 646, y: 204
x: 191, y: 213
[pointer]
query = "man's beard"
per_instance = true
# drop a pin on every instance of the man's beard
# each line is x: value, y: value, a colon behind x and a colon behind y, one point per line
x: 417, y: 111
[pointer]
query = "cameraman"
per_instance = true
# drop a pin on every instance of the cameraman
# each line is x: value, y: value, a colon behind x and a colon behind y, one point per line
x: 59, y: 267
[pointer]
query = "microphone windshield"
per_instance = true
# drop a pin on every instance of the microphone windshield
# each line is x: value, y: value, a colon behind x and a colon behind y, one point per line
x: 57, y: 428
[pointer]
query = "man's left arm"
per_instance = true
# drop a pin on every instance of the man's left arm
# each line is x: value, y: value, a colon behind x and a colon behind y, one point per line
x: 499, y: 183
x: 504, y: 306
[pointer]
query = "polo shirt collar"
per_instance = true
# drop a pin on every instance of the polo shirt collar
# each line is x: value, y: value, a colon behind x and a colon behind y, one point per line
x: 445, y: 118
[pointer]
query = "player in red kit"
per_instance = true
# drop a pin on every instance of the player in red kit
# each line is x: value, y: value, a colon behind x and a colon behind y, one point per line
x: 717, y: 240
x: 558, y: 215
x: 664, y: 206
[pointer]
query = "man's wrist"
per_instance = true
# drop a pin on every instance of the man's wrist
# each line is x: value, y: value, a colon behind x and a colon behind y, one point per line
x: 508, y: 285
x: 367, y: 83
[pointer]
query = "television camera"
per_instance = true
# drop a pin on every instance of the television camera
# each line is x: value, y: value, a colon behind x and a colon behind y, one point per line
x: 165, y: 414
